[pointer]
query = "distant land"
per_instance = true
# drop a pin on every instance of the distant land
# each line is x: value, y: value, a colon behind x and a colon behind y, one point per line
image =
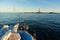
x: 33, y: 12
x: 26, y: 12
x: 40, y: 12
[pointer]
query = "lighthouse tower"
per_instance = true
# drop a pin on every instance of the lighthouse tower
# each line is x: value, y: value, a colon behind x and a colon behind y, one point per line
x: 39, y: 10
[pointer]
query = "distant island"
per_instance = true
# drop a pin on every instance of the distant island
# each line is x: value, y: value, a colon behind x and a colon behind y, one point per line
x: 39, y: 12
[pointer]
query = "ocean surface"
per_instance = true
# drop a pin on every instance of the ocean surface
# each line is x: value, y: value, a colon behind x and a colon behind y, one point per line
x: 47, y: 26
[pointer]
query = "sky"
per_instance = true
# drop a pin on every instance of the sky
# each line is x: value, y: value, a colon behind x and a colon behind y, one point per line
x: 29, y: 5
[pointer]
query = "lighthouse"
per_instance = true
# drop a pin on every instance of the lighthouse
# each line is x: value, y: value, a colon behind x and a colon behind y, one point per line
x: 38, y: 11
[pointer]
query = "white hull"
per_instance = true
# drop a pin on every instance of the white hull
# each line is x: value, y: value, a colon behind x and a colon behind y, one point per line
x: 12, y: 34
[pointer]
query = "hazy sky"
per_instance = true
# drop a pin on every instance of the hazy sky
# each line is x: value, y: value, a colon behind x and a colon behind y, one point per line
x: 30, y: 5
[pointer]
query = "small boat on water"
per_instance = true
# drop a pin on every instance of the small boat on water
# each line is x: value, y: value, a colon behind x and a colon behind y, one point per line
x: 14, y: 35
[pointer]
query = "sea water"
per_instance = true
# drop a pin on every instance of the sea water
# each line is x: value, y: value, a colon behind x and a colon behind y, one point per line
x: 47, y: 26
